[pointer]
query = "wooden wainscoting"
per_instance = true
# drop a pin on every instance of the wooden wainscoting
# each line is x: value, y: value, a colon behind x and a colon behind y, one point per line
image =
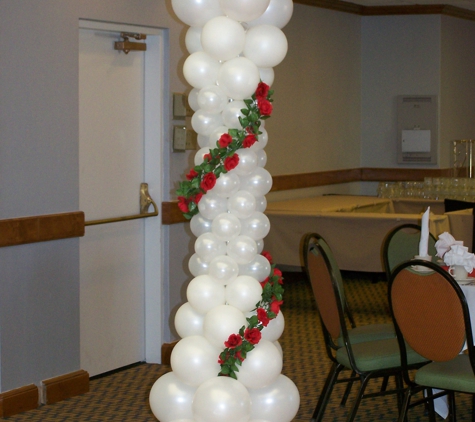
x: 18, y: 400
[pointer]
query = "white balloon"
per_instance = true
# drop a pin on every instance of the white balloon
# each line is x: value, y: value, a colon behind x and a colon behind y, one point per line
x: 170, y: 398
x: 243, y: 293
x: 259, y: 268
x: 261, y: 157
x: 200, y: 154
x: 204, y: 122
x: 223, y: 38
x: 278, y: 402
x: 261, y: 203
x: 193, y: 39
x: 203, y: 140
x: 197, y: 265
x: 221, y: 399
x: 212, y: 99
x: 244, y: 10
x: 188, y: 322
x: 275, y: 328
x: 211, y: 205
x: 207, y: 246
x: 262, y: 366
x: 258, y: 183
x: 196, y: 12
x: 242, y: 249
x: 227, y: 185
x: 194, y: 360
x: 278, y: 14
x: 204, y: 293
x: 266, y: 45
x: 224, y: 269
x: 214, y: 136
x: 247, y: 161
x: 232, y: 112
x: 200, y: 225
x: 256, y: 226
x: 260, y: 245
x: 222, y: 321
x: 262, y: 140
x: 267, y: 75
x: 242, y: 204
x: 200, y: 69
x: 226, y: 226
x: 279, y: 348
x: 193, y: 99
x: 238, y: 78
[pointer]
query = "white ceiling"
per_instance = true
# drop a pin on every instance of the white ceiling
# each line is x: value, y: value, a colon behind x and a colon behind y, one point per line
x: 465, y: 4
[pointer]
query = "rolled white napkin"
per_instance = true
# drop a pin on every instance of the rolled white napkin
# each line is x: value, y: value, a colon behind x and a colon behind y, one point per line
x: 459, y: 255
x: 446, y: 240
x: 424, y: 241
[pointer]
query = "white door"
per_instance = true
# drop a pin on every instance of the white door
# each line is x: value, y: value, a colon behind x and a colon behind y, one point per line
x: 116, y: 273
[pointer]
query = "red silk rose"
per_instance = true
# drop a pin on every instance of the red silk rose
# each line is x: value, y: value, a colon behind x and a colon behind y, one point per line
x: 208, y: 182
x: 225, y: 140
x: 231, y: 162
x: 197, y: 198
x: 207, y: 157
x: 265, y: 107
x: 275, y: 306
x: 267, y: 255
x: 183, y: 204
x: 252, y: 335
x: 249, y: 140
x: 234, y: 340
x: 262, y: 317
x: 262, y: 90
x: 192, y: 174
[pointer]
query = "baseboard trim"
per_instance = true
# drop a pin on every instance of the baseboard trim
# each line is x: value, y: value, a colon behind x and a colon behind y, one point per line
x: 167, y: 349
x: 18, y: 400
x: 65, y: 386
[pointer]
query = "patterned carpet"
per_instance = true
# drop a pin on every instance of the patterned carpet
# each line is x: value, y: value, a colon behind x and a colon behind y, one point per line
x: 123, y: 396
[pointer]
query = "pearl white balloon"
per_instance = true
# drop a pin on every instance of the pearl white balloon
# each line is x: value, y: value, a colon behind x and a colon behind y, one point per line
x: 262, y: 140
x: 261, y: 157
x: 214, y: 136
x: 223, y: 38
x: 211, y: 205
x: 261, y: 203
x: 259, y: 268
x: 227, y: 185
x: 266, y: 45
x: 279, y: 348
x: 207, y: 246
x: 256, y: 226
x: 267, y: 75
x: 193, y: 99
x: 242, y: 204
x: 238, y: 78
x: 196, y: 12
x: 247, y: 161
x: 221, y: 399
x: 244, y: 10
x: 242, y: 249
x: 222, y: 321
x: 188, y: 322
x: 200, y: 69
x: 243, y: 293
x: 200, y: 154
x: 224, y: 269
x: 262, y: 366
x: 204, y: 122
x: 260, y: 245
x: 226, y: 226
x: 194, y: 360
x: 170, y: 398
x: 203, y: 141
x: 258, y: 183
x: 200, y: 225
x: 193, y: 39
x: 212, y: 99
x: 197, y: 265
x: 275, y: 328
x: 278, y: 14
x: 232, y: 112
x: 278, y: 402
x: 204, y: 293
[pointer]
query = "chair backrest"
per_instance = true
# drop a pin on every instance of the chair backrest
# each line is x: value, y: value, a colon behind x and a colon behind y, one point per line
x: 429, y: 310
x: 402, y: 244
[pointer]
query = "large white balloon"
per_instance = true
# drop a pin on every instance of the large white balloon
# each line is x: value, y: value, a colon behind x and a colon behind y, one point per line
x: 211, y: 205
x: 221, y: 399
x: 256, y: 226
x: 261, y: 157
x: 170, y: 398
x: 200, y: 69
x: 224, y: 269
x: 258, y: 183
x: 204, y: 122
x: 247, y: 161
x: 188, y: 322
x: 262, y: 366
x: 222, y: 321
x: 194, y: 360
x: 226, y: 226
x: 242, y: 204
x: 244, y: 10
x: 212, y: 99
x: 193, y: 40
x: 207, y: 246
x: 197, y: 265
x: 243, y: 293
x: 278, y: 402
x: 204, y: 293
x: 227, y: 185
x: 196, y: 12
x: 267, y: 75
x: 242, y: 249
x: 266, y: 45
x: 238, y: 78
x: 232, y: 112
x: 223, y: 38
x: 278, y: 14
x: 259, y: 268
x: 275, y: 328
x: 261, y: 203
x: 193, y: 99
x: 200, y: 225
x: 262, y: 140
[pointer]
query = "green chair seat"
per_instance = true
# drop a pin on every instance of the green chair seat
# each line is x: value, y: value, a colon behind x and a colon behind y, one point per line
x: 369, y: 333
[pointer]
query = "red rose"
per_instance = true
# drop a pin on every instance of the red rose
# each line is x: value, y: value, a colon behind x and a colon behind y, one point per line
x: 192, y: 174
x: 262, y: 90
x: 183, y: 204
x: 262, y: 317
x: 197, y: 198
x: 249, y: 140
x: 263, y: 283
x: 234, y: 340
x: 265, y: 107
x: 231, y: 162
x: 238, y: 355
x: 208, y: 182
x: 275, y: 306
x: 207, y: 157
x: 252, y: 335
x: 267, y: 255
x: 225, y: 140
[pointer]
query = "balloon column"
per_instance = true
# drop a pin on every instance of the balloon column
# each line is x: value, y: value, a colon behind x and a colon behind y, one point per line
x: 231, y: 322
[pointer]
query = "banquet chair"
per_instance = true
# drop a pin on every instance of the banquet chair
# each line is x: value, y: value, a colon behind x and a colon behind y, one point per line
x: 457, y: 205
x: 369, y: 351
x: 402, y: 244
x: 431, y: 315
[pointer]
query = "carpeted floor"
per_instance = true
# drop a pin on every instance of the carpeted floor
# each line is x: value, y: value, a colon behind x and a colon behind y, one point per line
x: 123, y: 396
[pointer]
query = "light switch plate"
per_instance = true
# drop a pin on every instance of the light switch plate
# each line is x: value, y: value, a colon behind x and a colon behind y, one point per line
x: 179, y: 138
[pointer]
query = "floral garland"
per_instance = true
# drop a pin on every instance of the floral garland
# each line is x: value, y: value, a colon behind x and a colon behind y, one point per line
x: 223, y: 158
x: 238, y: 345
